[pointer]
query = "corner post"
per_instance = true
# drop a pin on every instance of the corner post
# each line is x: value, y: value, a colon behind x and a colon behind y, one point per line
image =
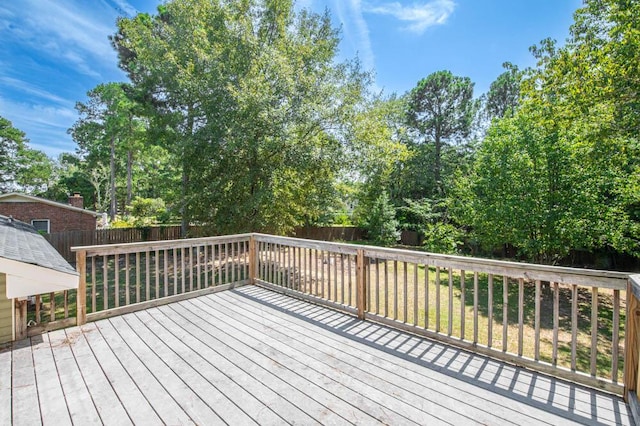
x: 81, y: 298
x: 253, y: 260
x: 20, y: 316
x: 632, y: 339
x: 361, y: 299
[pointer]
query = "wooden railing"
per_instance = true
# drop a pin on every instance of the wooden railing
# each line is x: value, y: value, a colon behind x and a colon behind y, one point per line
x: 51, y: 311
x: 116, y: 279
x: 563, y: 321
x: 566, y: 322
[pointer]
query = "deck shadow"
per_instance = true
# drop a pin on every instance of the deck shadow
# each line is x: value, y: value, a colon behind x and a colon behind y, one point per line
x: 458, y: 363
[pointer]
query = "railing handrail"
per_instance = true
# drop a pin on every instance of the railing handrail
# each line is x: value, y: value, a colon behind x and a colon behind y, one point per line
x: 105, y: 249
x: 561, y: 274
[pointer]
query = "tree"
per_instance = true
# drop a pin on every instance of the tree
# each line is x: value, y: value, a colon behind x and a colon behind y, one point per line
x: 105, y: 130
x: 35, y: 171
x: 249, y: 101
x: 504, y: 93
x: 377, y: 145
x: 381, y: 223
x: 21, y: 168
x: 441, y: 109
x: 526, y: 192
x: 12, y: 142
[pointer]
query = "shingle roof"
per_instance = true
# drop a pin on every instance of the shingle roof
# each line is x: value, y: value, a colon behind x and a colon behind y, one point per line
x: 21, y: 242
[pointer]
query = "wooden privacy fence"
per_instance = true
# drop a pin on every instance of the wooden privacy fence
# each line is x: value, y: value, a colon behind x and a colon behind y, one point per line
x: 566, y: 322
x: 63, y: 241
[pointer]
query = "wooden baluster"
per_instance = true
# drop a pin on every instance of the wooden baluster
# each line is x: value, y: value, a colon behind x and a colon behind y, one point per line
x: 81, y: 295
x: 450, y: 310
x: 505, y: 311
x: 426, y: 296
x: 490, y: 309
x: 594, y: 332
x: 437, y: 299
x: 105, y: 282
x: 127, y: 279
x: 537, y: 322
x: 615, y: 338
x: 475, y: 308
x: 94, y: 284
x: 116, y: 277
x: 462, y: 303
x: 556, y: 323
x: 520, y: 315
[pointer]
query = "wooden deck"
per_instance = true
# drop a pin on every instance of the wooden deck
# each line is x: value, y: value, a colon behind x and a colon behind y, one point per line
x: 249, y: 355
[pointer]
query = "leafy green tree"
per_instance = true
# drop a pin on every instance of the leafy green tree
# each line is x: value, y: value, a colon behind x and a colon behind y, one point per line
x: 21, y: 168
x: 381, y: 223
x: 504, y: 93
x: 12, y: 141
x: 525, y: 191
x: 35, y: 171
x: 377, y: 145
x: 442, y: 110
x: 148, y: 211
x: 109, y: 134
x: 249, y: 101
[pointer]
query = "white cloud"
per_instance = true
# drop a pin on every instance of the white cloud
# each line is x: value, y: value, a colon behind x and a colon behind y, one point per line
x: 356, y: 31
x: 44, y: 125
x: 30, y: 89
x: 418, y: 16
x: 63, y: 28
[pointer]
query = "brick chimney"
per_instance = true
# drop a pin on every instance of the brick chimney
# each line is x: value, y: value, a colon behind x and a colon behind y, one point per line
x: 76, y: 200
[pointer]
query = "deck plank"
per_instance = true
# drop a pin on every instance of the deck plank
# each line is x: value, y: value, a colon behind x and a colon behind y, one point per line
x: 179, y: 390
x: 315, y: 400
x: 143, y: 396
x: 55, y: 411
x: 208, y: 390
x: 363, y: 381
x: 252, y: 355
x: 572, y: 401
x: 79, y: 401
x: 5, y: 386
x: 25, y: 405
x: 243, y: 373
x: 116, y: 398
x: 260, y: 407
x: 392, y: 374
x: 359, y: 395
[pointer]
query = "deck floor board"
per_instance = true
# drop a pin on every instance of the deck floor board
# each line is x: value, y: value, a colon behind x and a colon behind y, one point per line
x: 253, y: 356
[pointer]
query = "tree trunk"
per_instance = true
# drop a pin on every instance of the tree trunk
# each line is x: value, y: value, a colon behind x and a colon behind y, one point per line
x: 436, y: 166
x: 129, y: 176
x: 112, y: 180
x: 184, y: 223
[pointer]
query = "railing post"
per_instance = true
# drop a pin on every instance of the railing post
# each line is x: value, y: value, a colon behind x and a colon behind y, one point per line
x: 81, y: 297
x: 253, y: 260
x: 20, y: 306
x: 361, y: 297
x: 632, y: 339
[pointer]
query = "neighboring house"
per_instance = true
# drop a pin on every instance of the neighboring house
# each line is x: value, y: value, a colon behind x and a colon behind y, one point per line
x: 29, y: 265
x: 50, y: 216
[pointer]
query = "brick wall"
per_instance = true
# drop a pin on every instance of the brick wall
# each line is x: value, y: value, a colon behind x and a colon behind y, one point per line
x: 60, y: 219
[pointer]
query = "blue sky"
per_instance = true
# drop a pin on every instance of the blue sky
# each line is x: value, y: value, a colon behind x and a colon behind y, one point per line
x: 54, y: 51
